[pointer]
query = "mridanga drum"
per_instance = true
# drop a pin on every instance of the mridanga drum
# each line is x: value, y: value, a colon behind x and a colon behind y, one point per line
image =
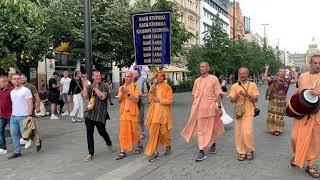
x: 302, y: 103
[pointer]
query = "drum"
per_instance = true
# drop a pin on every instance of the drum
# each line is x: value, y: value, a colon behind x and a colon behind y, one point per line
x: 301, y: 104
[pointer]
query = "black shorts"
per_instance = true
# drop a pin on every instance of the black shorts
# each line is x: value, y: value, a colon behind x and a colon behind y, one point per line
x: 53, y: 97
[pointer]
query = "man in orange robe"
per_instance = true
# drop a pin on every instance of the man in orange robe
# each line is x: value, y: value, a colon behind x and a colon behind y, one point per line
x: 205, y: 118
x: 159, y: 118
x: 244, y: 93
x: 305, y: 137
x: 128, y: 97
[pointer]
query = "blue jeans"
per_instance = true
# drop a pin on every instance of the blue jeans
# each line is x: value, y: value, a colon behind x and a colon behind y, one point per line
x: 16, y: 128
x: 3, y: 124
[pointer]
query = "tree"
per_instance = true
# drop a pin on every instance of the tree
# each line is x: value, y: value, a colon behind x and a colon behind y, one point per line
x: 226, y: 57
x: 179, y: 34
x: 22, y: 39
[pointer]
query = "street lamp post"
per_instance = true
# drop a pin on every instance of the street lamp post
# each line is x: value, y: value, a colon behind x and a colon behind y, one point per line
x: 264, y: 34
x: 87, y: 38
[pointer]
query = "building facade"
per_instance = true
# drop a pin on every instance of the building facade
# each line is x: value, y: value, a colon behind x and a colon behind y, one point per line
x: 239, y: 24
x: 208, y: 9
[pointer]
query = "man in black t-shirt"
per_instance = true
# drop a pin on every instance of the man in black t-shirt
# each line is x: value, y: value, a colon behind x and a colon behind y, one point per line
x: 54, y: 94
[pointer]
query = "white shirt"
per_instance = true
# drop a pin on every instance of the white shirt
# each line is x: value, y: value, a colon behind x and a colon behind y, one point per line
x: 19, y: 99
x: 66, y: 84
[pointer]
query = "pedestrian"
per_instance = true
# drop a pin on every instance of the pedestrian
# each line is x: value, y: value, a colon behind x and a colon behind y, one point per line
x: 277, y: 99
x: 159, y: 117
x: 205, y: 118
x: 110, y: 87
x: 34, y: 91
x: 305, y: 137
x: 143, y: 100
x: 54, y: 94
x: 96, y: 113
x: 128, y: 97
x: 243, y: 94
x: 5, y: 111
x: 22, y: 108
x: 65, y: 82
x: 36, y: 101
x: 75, y: 91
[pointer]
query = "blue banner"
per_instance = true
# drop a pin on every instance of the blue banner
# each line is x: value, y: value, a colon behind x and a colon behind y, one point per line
x: 152, y: 38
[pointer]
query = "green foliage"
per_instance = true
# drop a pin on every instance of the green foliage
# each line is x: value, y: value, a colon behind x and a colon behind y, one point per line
x: 21, y: 33
x: 185, y: 84
x: 225, y: 56
x: 179, y: 34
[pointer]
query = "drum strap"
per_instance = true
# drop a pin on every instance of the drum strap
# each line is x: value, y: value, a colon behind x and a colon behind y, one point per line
x: 246, y: 90
x: 316, y: 82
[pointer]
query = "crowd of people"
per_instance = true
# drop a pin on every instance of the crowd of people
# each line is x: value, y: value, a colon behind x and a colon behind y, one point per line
x: 86, y: 101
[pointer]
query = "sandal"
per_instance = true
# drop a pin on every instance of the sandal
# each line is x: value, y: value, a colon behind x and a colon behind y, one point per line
x: 292, y: 162
x: 312, y: 171
x: 138, y: 150
x: 241, y: 157
x: 250, y: 156
x: 121, y: 156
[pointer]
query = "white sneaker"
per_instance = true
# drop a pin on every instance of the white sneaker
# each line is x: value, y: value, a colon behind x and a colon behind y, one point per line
x: 3, y: 151
x: 54, y: 117
x: 22, y: 141
x: 73, y: 119
x: 65, y: 113
x: 79, y: 120
x: 28, y: 144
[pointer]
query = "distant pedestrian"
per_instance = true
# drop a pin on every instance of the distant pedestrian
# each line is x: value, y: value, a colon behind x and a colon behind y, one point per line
x: 54, y: 94
x: 5, y: 110
x: 278, y: 97
x: 22, y: 108
x: 110, y: 87
x: 65, y: 82
x: 75, y: 91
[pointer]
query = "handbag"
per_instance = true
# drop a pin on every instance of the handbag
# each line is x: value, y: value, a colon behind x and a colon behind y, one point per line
x: 256, y: 110
x: 239, y: 110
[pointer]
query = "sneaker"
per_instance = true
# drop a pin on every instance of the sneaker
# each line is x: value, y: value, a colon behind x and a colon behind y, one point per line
x: 22, y: 141
x: 110, y: 149
x: 213, y: 149
x: 73, y: 119
x: 40, y: 146
x: 168, y: 151
x: 89, y: 157
x: 154, y: 157
x: 28, y: 144
x: 14, y: 155
x: 78, y: 120
x: 201, y: 156
x: 54, y: 117
x: 3, y: 151
x: 65, y: 113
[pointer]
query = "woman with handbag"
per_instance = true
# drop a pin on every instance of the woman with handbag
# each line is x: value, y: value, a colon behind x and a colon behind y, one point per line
x: 75, y: 93
x: 277, y: 95
x: 243, y: 94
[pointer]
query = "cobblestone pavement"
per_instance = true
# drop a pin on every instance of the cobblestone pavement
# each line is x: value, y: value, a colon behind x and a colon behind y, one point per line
x: 65, y: 146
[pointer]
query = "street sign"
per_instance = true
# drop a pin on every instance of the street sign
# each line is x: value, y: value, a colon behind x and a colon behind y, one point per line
x: 152, y: 37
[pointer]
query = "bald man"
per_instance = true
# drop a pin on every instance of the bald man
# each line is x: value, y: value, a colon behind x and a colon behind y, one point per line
x: 128, y: 97
x: 205, y: 118
x: 244, y: 94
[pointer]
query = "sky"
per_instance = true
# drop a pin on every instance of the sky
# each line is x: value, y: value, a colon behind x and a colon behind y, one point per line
x: 292, y: 23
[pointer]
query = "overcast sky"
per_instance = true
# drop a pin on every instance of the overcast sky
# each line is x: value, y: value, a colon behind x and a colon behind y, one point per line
x: 292, y: 22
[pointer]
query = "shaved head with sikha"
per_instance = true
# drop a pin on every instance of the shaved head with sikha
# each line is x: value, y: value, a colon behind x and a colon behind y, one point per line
x: 204, y: 68
x: 243, y: 74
